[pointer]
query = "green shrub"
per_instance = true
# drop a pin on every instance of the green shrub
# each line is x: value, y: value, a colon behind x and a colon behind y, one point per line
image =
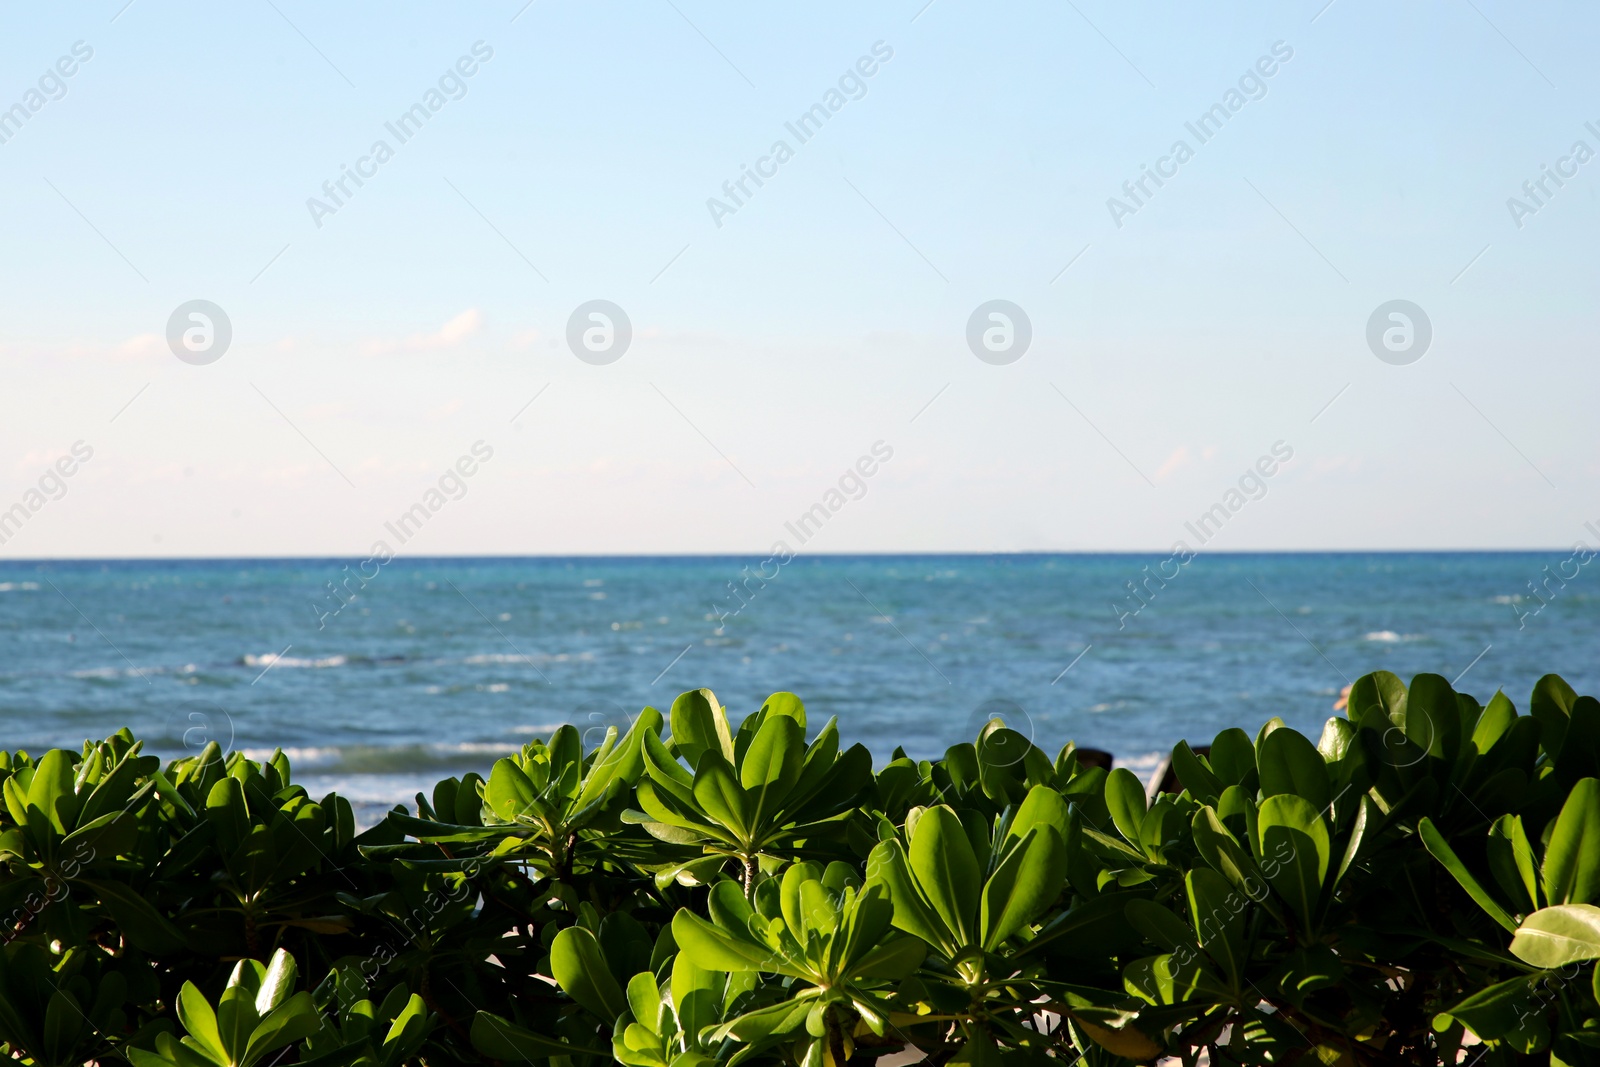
x: 1417, y: 885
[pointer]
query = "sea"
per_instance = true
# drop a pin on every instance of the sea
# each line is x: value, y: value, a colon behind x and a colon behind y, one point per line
x: 379, y: 678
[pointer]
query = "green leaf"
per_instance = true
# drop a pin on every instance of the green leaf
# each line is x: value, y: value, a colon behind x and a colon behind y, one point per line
x: 1435, y: 843
x: 1379, y: 695
x: 293, y: 1020
x: 1368, y: 815
x: 277, y: 983
x: 1551, y: 707
x: 1043, y: 806
x: 64, y: 1024
x: 1233, y: 757
x: 1499, y: 715
x: 644, y: 1000
x: 696, y: 995
x: 1493, y: 1012
x: 195, y: 1013
x: 772, y: 763
x: 115, y: 789
x: 1158, y: 925
x: 892, y: 960
x: 500, y: 1039
x: 1556, y: 936
x: 1433, y: 716
x: 580, y: 969
x: 139, y: 920
x: 1219, y: 848
x: 1295, y: 851
x: 1175, y: 978
x: 51, y: 791
x: 887, y: 865
x: 717, y: 791
x: 236, y: 1012
x: 625, y: 762
x: 716, y: 950
x: 1125, y: 798
x: 509, y: 792
x: 1571, y: 872
x: 1512, y: 863
x: 1216, y: 909
x: 227, y: 811
x: 1027, y: 882
x: 1196, y: 777
x: 1290, y: 763
x: 785, y: 704
x: 947, y: 871
x: 699, y: 725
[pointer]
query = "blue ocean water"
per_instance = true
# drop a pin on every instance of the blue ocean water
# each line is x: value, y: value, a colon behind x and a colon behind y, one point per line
x: 436, y: 666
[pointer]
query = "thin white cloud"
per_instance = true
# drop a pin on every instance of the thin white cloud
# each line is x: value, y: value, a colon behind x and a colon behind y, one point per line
x: 1179, y: 459
x: 451, y: 334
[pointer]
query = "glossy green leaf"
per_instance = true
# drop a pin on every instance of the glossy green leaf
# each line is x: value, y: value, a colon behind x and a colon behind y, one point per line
x: 1295, y: 852
x: 198, y: 1018
x: 772, y: 763
x: 1158, y: 924
x: 1196, y: 777
x: 1513, y: 864
x: 716, y: 950
x: 500, y: 1039
x: 1174, y: 978
x: 1492, y: 1013
x: 1233, y: 757
x: 1571, y: 871
x: 509, y: 792
x: 1125, y: 798
x: 887, y: 864
x: 1551, y: 707
x: 699, y: 725
x: 140, y: 921
x: 580, y: 969
x: 51, y: 790
x: 1435, y: 843
x: 1556, y: 936
x: 947, y: 871
x: 1026, y: 883
x: 717, y: 791
x: 1217, y: 914
x: 1290, y: 764
x: 293, y: 1020
x: 278, y: 982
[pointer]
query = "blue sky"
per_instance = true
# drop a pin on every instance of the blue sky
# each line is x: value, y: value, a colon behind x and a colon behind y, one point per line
x: 1227, y: 314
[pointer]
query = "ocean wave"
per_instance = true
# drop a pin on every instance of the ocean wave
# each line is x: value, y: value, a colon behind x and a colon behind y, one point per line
x: 130, y: 672
x: 366, y: 760
x: 482, y: 658
x: 1144, y: 765
x: 1389, y: 636
x: 274, y: 659
x: 12, y: 587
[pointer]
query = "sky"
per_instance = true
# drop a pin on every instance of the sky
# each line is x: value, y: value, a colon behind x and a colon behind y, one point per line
x: 384, y: 338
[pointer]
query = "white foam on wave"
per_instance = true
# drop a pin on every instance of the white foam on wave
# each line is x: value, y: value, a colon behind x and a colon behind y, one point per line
x: 1389, y: 636
x: 1144, y: 765
x: 274, y: 659
x: 314, y: 755
x: 12, y: 587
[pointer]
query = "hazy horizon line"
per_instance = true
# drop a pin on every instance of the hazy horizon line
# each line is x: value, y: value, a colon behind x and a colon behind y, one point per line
x: 636, y: 556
